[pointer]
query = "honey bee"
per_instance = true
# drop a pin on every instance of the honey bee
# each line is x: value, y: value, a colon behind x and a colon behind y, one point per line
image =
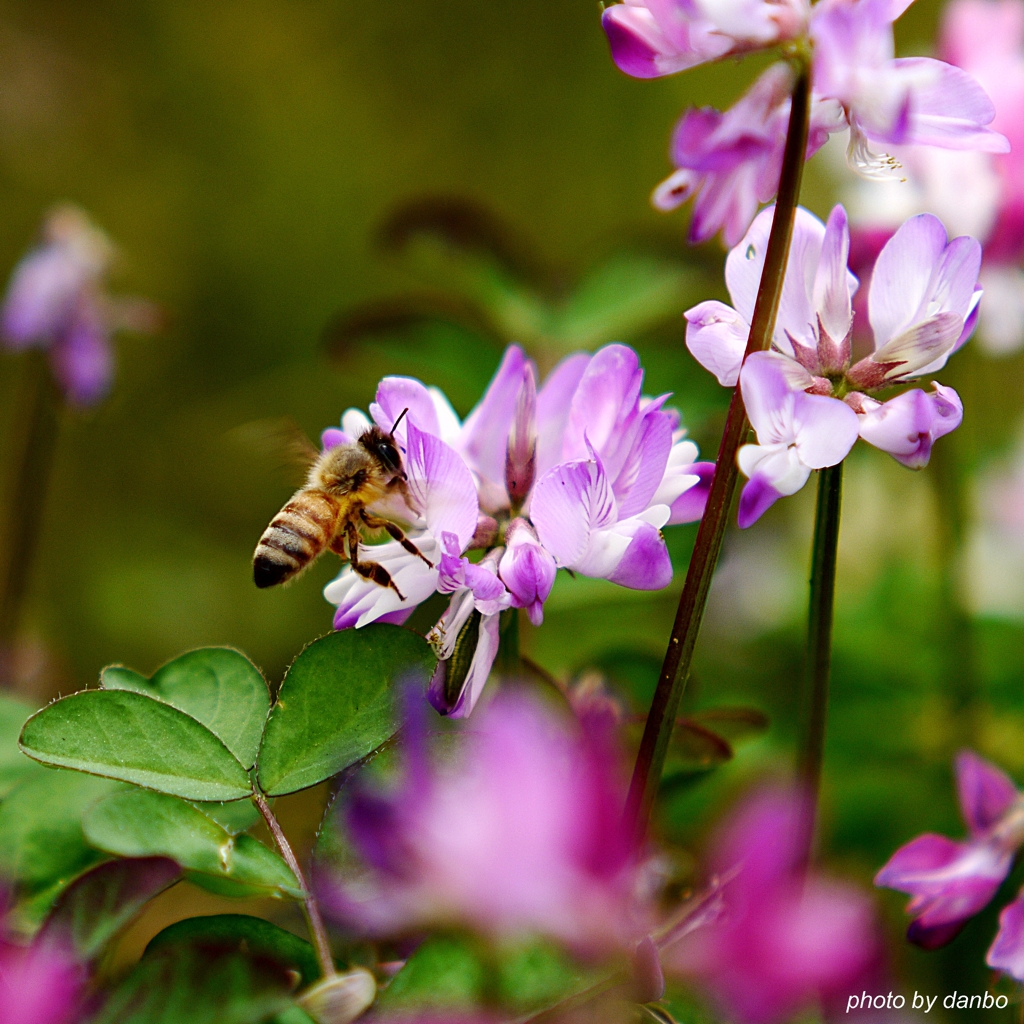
x: 330, y: 509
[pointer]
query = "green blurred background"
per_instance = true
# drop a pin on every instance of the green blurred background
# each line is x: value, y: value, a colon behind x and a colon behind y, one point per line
x: 244, y: 156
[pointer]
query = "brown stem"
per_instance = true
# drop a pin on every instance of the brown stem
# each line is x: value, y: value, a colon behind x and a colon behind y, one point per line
x: 316, y: 923
x: 676, y: 667
x: 37, y: 423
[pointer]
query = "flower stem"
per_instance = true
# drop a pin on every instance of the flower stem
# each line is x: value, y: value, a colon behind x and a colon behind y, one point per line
x: 819, y: 641
x: 317, y: 930
x: 38, y: 423
x: 676, y: 667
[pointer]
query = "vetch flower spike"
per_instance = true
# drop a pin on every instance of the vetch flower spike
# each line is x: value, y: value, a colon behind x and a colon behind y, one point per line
x: 731, y: 161
x: 950, y: 882
x: 56, y: 300
x: 922, y: 306
x: 582, y: 473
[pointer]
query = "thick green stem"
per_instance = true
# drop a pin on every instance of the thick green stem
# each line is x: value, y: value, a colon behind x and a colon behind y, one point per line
x: 317, y: 930
x: 37, y: 424
x: 819, y: 641
x: 676, y: 667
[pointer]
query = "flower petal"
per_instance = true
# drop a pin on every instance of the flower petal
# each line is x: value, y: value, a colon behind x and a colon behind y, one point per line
x: 908, y: 425
x: 948, y: 108
x: 716, y: 336
x: 645, y: 564
x: 917, y: 276
x: 1007, y: 952
x: 480, y: 667
x: 527, y: 569
x: 484, y: 438
x: 825, y: 429
x: 554, y: 400
x: 985, y: 792
x: 397, y: 393
x: 832, y: 294
x: 441, y: 485
x: 569, y: 504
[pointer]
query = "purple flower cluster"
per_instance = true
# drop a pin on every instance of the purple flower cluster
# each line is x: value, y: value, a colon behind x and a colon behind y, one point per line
x: 519, y: 833
x: 39, y: 984
x: 731, y: 161
x: 581, y: 473
x: 950, y: 882
x: 56, y: 301
x: 980, y: 193
x: 807, y: 399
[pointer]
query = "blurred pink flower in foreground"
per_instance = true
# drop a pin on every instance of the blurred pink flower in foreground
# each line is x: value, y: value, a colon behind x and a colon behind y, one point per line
x: 782, y: 941
x: 978, y: 193
x: 805, y: 400
x: 56, y: 300
x: 520, y: 833
x: 732, y: 162
x: 39, y: 984
x: 950, y: 882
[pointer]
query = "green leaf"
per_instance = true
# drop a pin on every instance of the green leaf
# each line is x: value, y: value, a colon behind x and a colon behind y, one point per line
x: 445, y: 971
x: 217, y: 686
x: 198, y: 983
x: 244, y: 933
x: 96, y: 907
x: 14, y: 765
x: 125, y: 735
x: 237, y: 817
x: 41, y: 839
x: 139, y: 823
x: 120, y: 677
x: 337, y: 704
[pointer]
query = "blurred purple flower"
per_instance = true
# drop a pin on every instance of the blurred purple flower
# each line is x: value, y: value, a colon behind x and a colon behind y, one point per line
x: 732, y: 162
x: 39, y: 984
x: 782, y: 941
x: 980, y: 193
x: 581, y: 474
x: 519, y: 833
x: 950, y: 882
x: 56, y: 300
x: 805, y: 400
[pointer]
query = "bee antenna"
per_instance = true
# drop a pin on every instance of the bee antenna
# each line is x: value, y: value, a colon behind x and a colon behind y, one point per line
x: 401, y: 416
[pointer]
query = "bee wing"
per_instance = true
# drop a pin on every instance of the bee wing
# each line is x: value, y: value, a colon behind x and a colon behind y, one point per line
x: 278, y: 442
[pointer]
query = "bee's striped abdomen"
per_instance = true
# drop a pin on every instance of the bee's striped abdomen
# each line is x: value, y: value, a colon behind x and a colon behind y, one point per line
x: 295, y: 536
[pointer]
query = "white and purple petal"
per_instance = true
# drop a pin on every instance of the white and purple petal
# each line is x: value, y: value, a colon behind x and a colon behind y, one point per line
x: 908, y: 425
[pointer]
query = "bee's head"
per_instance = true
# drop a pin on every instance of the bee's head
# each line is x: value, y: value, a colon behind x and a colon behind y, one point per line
x: 383, y: 446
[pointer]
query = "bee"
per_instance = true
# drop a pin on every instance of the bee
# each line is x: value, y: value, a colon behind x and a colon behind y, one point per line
x: 330, y: 509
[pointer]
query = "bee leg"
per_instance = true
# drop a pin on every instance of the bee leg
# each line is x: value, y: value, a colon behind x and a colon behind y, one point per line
x: 373, y: 571
x: 395, y: 532
x: 401, y: 484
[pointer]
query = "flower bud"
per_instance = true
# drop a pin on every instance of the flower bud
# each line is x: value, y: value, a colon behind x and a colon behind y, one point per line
x: 528, y: 570
x: 520, y: 456
x: 341, y: 998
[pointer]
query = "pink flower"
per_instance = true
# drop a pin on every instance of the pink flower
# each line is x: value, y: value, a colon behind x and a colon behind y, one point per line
x: 651, y: 38
x: 805, y: 401
x: 782, y: 942
x: 731, y: 162
x: 580, y: 474
x: 950, y: 882
x: 519, y: 833
x: 981, y: 193
x: 39, y: 984
x: 56, y: 300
